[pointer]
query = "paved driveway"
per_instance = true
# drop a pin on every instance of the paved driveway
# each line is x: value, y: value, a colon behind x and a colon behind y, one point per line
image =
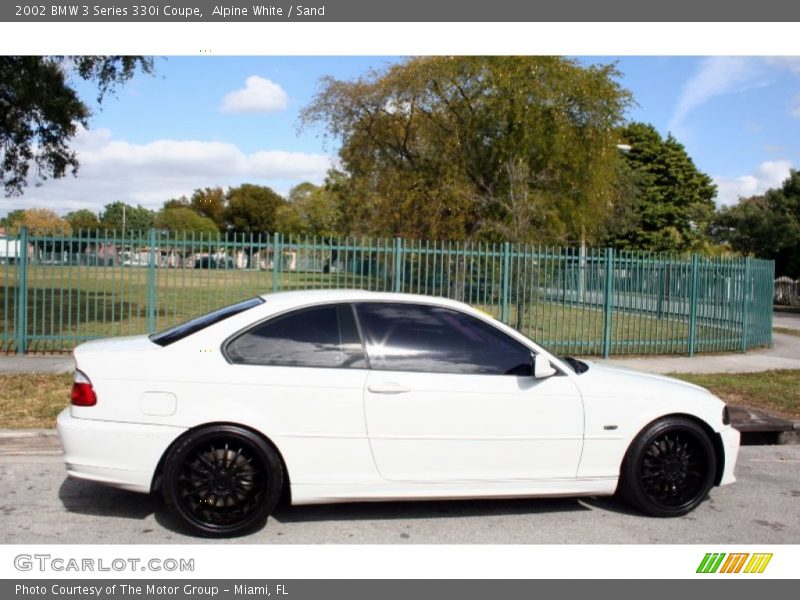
x: 39, y: 505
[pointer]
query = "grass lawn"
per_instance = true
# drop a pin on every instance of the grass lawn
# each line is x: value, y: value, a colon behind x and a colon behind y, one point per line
x: 775, y: 392
x: 786, y: 330
x: 34, y: 401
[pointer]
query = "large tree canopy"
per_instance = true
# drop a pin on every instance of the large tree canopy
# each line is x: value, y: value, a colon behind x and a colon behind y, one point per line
x: 669, y: 202
x: 123, y: 217
x: 766, y: 226
x: 458, y: 147
x: 182, y: 219
x: 39, y: 221
x: 40, y: 111
x: 252, y: 209
x: 311, y: 210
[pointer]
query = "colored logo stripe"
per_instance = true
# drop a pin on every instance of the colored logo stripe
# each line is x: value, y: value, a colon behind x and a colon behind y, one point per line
x: 713, y: 562
x: 734, y: 563
x: 710, y: 562
x: 758, y: 563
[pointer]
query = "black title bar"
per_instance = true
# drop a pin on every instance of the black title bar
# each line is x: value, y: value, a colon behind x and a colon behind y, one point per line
x: 403, y: 11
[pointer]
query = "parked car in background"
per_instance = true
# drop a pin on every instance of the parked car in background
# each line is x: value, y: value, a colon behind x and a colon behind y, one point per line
x: 337, y: 396
x: 206, y: 261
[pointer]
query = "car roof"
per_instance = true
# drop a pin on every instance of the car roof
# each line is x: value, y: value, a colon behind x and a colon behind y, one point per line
x: 355, y: 295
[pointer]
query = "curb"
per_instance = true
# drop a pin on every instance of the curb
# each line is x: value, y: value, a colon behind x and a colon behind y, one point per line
x: 40, y: 442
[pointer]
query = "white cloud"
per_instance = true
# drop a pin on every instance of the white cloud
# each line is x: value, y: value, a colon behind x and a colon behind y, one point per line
x: 769, y: 174
x: 717, y: 75
x: 259, y: 95
x: 150, y: 173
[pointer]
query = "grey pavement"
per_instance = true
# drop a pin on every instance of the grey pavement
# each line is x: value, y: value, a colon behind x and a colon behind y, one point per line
x: 13, y: 363
x: 784, y: 354
x: 785, y: 319
x: 41, y: 505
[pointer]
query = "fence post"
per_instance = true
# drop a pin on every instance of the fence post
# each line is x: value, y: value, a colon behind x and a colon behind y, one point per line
x: 276, y: 261
x: 151, y: 282
x: 607, y: 302
x: 693, y: 307
x: 505, y: 296
x: 398, y: 265
x: 22, y: 291
x: 745, y: 302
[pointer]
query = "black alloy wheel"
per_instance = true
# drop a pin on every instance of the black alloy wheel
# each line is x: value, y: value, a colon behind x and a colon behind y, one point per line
x: 222, y: 481
x: 669, y: 468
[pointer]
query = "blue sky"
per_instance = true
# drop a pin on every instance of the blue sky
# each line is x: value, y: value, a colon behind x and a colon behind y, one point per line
x: 206, y: 121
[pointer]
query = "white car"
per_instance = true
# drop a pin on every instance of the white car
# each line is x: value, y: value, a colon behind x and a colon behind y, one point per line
x: 339, y: 396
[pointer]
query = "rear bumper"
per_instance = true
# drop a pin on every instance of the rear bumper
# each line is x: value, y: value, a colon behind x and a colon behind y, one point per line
x: 122, y: 455
x: 730, y: 444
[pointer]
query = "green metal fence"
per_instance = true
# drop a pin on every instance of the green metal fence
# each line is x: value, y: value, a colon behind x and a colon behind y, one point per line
x: 60, y: 290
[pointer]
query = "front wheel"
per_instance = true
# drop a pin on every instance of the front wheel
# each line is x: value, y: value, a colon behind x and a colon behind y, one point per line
x: 669, y: 468
x: 222, y: 481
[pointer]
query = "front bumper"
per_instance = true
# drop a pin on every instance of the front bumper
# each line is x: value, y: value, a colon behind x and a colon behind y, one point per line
x: 122, y: 455
x: 730, y: 444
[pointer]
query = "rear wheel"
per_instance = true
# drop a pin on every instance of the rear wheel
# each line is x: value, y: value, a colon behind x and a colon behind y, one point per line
x: 669, y: 468
x: 222, y: 481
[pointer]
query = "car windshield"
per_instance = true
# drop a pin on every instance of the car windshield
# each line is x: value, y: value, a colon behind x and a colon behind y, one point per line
x: 178, y: 332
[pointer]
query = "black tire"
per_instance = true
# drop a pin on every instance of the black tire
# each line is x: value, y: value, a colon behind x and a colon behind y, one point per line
x: 669, y: 468
x: 222, y: 481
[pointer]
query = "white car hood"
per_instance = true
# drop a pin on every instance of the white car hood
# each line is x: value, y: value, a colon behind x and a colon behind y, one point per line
x: 605, y: 380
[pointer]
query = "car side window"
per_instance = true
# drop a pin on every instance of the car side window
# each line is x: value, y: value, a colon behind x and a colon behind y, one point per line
x: 323, y: 336
x: 434, y: 339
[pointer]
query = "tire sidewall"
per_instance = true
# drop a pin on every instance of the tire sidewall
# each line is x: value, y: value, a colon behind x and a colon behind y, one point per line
x: 183, y: 449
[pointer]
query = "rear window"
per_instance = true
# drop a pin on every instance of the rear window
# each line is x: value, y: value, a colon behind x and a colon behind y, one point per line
x: 174, y: 334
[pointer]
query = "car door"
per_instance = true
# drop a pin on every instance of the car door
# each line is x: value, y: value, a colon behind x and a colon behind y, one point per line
x: 450, y: 397
x: 302, y: 374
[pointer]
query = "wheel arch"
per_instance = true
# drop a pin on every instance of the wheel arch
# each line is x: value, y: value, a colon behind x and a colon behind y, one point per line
x: 155, y: 484
x: 713, y: 436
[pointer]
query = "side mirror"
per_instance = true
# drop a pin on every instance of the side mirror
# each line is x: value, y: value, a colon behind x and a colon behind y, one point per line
x: 542, y: 367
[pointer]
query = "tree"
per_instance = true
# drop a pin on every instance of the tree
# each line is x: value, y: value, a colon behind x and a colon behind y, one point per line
x: 766, y: 226
x: 460, y: 147
x: 311, y: 210
x: 39, y: 221
x: 671, y: 202
x: 11, y: 222
x: 40, y: 111
x: 252, y: 209
x: 124, y: 217
x: 210, y: 202
x: 82, y: 219
x: 182, y: 202
x: 183, y: 219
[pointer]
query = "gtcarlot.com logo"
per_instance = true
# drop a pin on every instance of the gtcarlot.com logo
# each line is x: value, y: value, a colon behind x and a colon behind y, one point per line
x: 47, y: 562
x: 735, y: 562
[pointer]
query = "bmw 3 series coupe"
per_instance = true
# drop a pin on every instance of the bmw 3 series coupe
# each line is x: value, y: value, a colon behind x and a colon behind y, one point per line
x: 342, y: 395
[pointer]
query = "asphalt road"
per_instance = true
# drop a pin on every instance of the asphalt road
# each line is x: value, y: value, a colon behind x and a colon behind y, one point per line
x: 39, y: 504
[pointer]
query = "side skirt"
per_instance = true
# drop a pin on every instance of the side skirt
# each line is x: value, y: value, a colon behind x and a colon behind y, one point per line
x: 394, y: 491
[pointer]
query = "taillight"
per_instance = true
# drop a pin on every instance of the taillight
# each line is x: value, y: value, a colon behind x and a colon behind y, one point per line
x: 82, y: 391
x: 726, y: 415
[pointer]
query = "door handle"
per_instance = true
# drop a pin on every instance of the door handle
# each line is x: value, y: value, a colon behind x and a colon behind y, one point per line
x: 387, y: 387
